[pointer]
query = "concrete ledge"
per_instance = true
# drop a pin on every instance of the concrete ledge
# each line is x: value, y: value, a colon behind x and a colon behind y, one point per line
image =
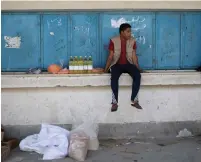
x: 49, y: 80
x: 98, y: 5
x: 119, y: 131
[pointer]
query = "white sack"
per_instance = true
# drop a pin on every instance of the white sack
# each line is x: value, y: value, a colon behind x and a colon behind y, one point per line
x: 52, y: 142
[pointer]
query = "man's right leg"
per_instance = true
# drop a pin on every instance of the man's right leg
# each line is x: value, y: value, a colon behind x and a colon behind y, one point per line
x: 116, y: 72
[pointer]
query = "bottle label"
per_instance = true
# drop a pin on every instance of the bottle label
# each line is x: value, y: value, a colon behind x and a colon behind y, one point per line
x: 80, y: 67
x: 90, y: 67
x: 75, y: 67
x: 85, y: 67
x: 70, y: 67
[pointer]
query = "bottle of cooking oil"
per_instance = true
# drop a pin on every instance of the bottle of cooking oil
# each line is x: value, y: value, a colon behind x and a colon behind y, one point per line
x: 90, y: 64
x: 71, y: 66
x: 75, y: 62
x: 80, y: 65
x: 85, y: 67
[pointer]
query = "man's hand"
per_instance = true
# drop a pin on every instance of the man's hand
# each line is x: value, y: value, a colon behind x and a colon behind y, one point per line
x: 138, y: 67
x: 106, y: 71
x: 141, y: 71
x: 109, y: 60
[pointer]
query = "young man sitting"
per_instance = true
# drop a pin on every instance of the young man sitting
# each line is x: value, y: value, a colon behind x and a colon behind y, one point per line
x: 123, y: 59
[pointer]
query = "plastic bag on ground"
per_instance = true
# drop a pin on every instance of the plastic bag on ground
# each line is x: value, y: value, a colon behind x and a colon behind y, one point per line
x: 91, y: 129
x: 79, y: 145
x: 89, y: 123
x: 52, y: 142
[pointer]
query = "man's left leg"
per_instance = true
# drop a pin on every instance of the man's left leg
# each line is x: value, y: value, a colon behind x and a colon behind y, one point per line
x: 136, y: 99
x: 136, y: 76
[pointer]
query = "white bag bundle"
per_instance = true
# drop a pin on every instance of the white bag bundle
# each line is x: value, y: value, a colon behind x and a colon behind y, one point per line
x: 79, y: 145
x: 52, y: 142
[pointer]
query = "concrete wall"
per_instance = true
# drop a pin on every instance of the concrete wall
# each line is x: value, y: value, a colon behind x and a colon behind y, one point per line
x: 171, y: 101
x: 165, y: 98
x: 94, y: 5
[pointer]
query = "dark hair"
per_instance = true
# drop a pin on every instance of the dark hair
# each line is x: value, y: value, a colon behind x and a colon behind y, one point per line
x: 123, y: 27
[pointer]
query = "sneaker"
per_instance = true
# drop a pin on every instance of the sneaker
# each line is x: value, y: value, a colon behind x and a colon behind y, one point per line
x: 114, y: 107
x: 136, y: 105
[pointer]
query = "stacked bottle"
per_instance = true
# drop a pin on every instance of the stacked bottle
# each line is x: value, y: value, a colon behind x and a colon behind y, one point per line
x: 90, y: 64
x: 80, y: 65
x: 75, y: 65
x: 85, y: 67
x: 71, y: 67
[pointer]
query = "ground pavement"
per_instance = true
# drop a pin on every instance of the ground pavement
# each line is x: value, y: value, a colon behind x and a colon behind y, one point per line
x: 132, y: 150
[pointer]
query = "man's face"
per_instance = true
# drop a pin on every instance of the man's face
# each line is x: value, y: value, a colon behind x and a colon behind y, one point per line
x: 127, y: 33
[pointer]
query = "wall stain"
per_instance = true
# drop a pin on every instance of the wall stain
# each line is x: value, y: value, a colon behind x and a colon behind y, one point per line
x: 86, y: 38
x: 59, y: 45
x: 168, y: 48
